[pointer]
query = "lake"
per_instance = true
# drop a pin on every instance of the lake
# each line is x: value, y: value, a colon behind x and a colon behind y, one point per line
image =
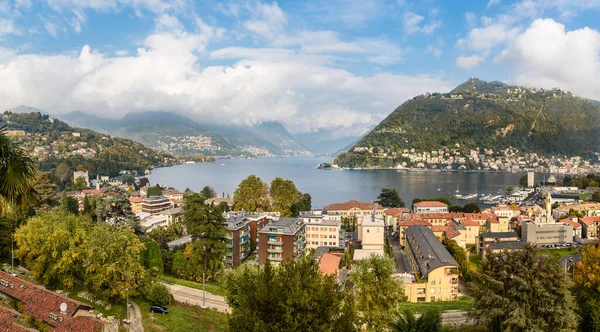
x: 330, y: 186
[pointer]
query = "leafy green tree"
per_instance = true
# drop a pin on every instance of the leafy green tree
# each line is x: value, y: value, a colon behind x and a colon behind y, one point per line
x: 455, y: 209
x: 523, y: 290
x: 129, y: 180
x: 587, y: 288
x: 460, y: 255
x: 208, y: 192
x: 377, y: 292
x: 112, y: 257
x: 144, y: 182
x: 116, y: 209
x: 151, y: 257
x: 50, y: 245
x: 68, y: 205
x: 79, y: 183
x: 284, y: 195
x: 17, y: 176
x: 252, y: 194
x: 430, y: 321
x: 471, y: 208
x: 206, y: 225
x: 62, y: 172
x: 154, y: 191
x: 87, y: 206
x: 163, y: 235
x: 156, y: 293
x: 389, y: 198
x: 46, y: 190
x: 596, y: 197
x: 224, y: 206
x: 295, y: 297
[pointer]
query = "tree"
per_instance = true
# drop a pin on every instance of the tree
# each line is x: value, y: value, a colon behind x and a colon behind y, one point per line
x: 455, y: 209
x: 129, y: 180
x: 389, y: 198
x: 523, y: 182
x: 144, y: 182
x: 523, y: 290
x: 460, y: 255
x: 62, y: 172
x: 116, y: 209
x: 46, y: 191
x: 87, y: 206
x: 430, y: 321
x: 157, y: 293
x: 305, y: 299
x: 208, y: 192
x: 68, y: 205
x: 224, y: 206
x: 112, y: 256
x: 252, y: 194
x: 154, y: 191
x: 596, y: 197
x: 79, y: 183
x: 471, y: 208
x: 377, y: 292
x: 284, y: 195
x: 206, y: 225
x: 151, y: 257
x: 587, y: 288
x: 17, y: 175
x: 50, y: 245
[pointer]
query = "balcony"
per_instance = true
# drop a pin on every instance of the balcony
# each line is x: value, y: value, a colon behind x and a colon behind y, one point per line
x: 274, y: 250
x: 275, y: 242
x: 275, y: 258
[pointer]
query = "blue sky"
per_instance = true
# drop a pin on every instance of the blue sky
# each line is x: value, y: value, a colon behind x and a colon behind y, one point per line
x: 339, y: 66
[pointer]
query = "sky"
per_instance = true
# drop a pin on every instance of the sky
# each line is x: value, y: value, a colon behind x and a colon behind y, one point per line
x: 331, y: 66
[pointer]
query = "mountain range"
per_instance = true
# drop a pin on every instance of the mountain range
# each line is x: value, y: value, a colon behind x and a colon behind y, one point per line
x: 484, y: 115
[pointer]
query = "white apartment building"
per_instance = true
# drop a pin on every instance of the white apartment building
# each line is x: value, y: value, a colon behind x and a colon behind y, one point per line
x: 323, y: 232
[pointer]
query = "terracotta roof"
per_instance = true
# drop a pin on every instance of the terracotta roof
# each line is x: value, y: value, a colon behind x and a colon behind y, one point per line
x: 172, y: 192
x: 572, y: 223
x: 7, y: 321
x: 414, y: 222
x: 42, y: 303
x: 469, y: 222
x: 329, y: 264
x: 437, y: 229
x: 135, y: 199
x: 94, y: 191
x: 396, y: 212
x: 430, y: 204
x: 350, y: 205
x: 451, y: 233
x: 590, y: 220
x: 442, y: 215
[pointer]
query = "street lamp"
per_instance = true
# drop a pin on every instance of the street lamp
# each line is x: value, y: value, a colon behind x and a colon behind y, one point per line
x: 203, y: 280
x: 127, y: 293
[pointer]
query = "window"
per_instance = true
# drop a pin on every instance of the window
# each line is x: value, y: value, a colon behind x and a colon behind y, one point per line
x: 420, y: 299
x: 432, y: 290
x: 433, y: 299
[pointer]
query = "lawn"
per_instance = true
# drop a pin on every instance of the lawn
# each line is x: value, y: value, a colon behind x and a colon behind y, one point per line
x: 463, y: 303
x: 182, y: 318
x: 210, y: 287
x: 562, y: 252
x: 475, y: 260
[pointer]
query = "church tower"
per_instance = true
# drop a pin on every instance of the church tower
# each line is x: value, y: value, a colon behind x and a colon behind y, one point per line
x: 548, y: 205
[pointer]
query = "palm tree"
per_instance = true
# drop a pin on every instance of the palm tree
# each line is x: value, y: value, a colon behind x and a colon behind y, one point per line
x: 430, y: 321
x: 17, y: 176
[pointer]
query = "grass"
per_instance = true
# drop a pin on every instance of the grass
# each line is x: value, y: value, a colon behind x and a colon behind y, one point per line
x: 211, y: 288
x: 475, y: 260
x: 182, y: 318
x: 562, y: 252
x: 463, y: 303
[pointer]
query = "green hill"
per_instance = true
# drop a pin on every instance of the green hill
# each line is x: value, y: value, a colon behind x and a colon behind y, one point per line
x: 51, y: 142
x: 482, y: 115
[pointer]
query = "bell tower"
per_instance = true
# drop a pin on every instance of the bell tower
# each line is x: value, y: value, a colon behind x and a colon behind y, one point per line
x: 548, y: 205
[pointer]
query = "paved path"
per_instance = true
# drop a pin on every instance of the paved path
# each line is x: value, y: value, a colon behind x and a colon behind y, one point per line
x: 193, y: 296
x: 398, y: 256
x: 135, y: 316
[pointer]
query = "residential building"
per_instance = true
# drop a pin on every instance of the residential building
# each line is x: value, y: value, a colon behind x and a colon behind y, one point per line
x: 149, y: 222
x: 577, y: 229
x: 329, y: 265
x: 136, y: 204
x: 216, y: 201
x: 173, y: 215
x: 488, y: 238
x: 589, y: 227
x: 238, y: 240
x: 589, y: 209
x: 353, y: 208
x: 282, y: 240
x: 402, y: 226
x: 393, y: 216
x: 322, y: 232
x: 182, y: 241
x: 498, y: 247
x: 156, y: 204
x: 430, y: 207
x: 436, y: 269
x: 530, y: 179
x: 173, y: 194
x: 60, y: 312
x: 256, y: 223
x: 370, y: 232
x: 144, y: 191
x: 546, y: 233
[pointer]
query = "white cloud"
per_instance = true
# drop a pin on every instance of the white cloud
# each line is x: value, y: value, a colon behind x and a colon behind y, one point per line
x: 412, y: 23
x: 121, y: 53
x: 492, y: 3
x: 468, y: 62
x: 485, y: 38
x: 8, y: 27
x: 51, y: 27
x: 268, y: 21
x: 547, y: 55
x: 471, y: 18
x: 435, y: 50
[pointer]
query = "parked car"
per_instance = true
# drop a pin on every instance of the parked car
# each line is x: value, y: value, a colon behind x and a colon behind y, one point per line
x: 159, y: 309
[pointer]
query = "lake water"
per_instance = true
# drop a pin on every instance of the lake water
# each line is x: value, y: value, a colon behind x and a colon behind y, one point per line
x: 330, y: 186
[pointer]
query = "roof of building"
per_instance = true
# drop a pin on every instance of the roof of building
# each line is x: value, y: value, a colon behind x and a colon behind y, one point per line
x: 590, y: 220
x: 7, y: 322
x: 41, y: 303
x: 578, y: 207
x: 179, y: 242
x: 468, y: 222
x: 219, y: 200
x: 413, y: 222
x: 156, y: 199
x: 353, y: 204
x: 289, y: 226
x: 320, y: 251
x: 236, y: 222
x: 430, y: 204
x: 507, y: 245
x: 572, y: 223
x: 135, y: 200
x: 396, y: 212
x: 329, y: 264
x: 171, y: 211
x: 428, y: 251
x: 499, y: 235
x: 171, y: 192
x: 360, y: 254
x: 451, y: 232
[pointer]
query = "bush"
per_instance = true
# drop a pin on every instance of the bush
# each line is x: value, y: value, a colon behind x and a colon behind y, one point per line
x: 157, y: 294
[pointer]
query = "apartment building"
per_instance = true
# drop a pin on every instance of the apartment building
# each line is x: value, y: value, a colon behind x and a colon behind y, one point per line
x: 323, y: 232
x: 589, y: 227
x: 282, y: 240
x: 353, y: 208
x: 435, y: 270
x: 156, y: 204
x: 237, y: 240
x: 546, y: 233
x: 136, y: 204
x: 173, y: 215
x: 430, y: 207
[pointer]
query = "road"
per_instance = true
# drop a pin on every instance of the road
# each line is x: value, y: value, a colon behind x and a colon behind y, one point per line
x: 135, y: 318
x: 398, y: 256
x: 193, y: 296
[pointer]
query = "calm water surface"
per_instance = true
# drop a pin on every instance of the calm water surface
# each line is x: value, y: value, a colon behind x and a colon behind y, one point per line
x: 329, y: 186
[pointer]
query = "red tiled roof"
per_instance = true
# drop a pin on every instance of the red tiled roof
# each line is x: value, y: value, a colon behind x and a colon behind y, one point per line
x: 431, y: 204
x: 7, y: 321
x: 172, y: 192
x: 589, y: 220
x: 572, y: 223
x: 436, y: 229
x: 135, y: 200
x: 442, y: 215
x: 351, y: 204
x: 329, y: 264
x: 451, y: 233
x: 40, y: 303
x: 396, y: 212
x: 94, y: 191
x: 414, y: 222
x: 469, y: 222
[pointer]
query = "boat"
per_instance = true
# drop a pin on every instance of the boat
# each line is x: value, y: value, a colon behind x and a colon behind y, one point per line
x: 190, y: 162
x: 439, y: 187
x: 457, y: 195
x: 470, y: 196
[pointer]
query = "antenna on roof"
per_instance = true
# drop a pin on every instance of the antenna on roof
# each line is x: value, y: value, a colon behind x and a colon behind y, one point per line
x: 63, y: 308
